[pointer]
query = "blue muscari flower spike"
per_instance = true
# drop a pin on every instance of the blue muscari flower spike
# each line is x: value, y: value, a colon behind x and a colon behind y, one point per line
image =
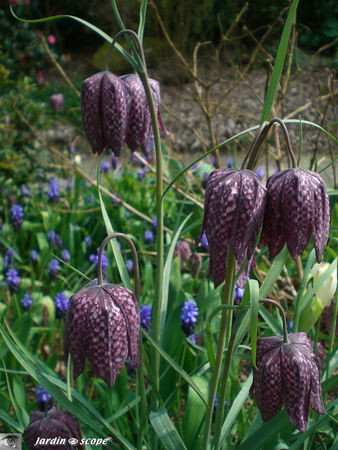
x: 7, y: 261
x: 189, y: 317
x: 154, y: 224
x: 105, y: 166
x: 148, y: 237
x: 114, y: 162
x: 53, y: 192
x: 204, y: 242
x: 54, y: 238
x: 260, y: 172
x: 43, y: 398
x: 65, y: 255
x: 25, y: 191
x: 95, y: 258
x: 61, y: 301
x: 13, y: 279
x: 88, y: 241
x: 54, y: 267
x: 17, y: 215
x: 33, y: 255
x: 230, y: 162
x: 72, y: 149
x: 145, y: 316
x: 141, y: 173
x: 26, y: 302
x: 130, y: 266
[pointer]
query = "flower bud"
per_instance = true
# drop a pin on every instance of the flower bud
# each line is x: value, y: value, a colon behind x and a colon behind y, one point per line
x: 327, y: 290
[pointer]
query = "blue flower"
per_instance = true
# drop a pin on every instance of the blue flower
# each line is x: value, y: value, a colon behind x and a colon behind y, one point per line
x: 105, y: 166
x: 239, y: 292
x: 148, y: 237
x: 130, y: 266
x: 189, y: 317
x: 141, y: 173
x: 204, y: 242
x: 54, y: 238
x: 65, y: 255
x: 193, y: 338
x: 17, y: 215
x: 13, y: 279
x: 54, y: 187
x: 69, y: 184
x: 114, y: 162
x: 26, y: 302
x: 260, y: 172
x: 25, y: 191
x: 43, y: 398
x: 33, y: 255
x: 54, y: 267
x: 88, y: 241
x: 154, y: 224
x: 213, y: 160
x: 61, y: 301
x: 94, y: 259
x: 72, y: 149
x: 7, y: 261
x: 145, y: 316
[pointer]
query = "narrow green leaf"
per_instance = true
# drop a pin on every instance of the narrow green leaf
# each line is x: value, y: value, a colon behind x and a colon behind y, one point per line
x: 13, y: 400
x: 165, y: 430
x: 254, y: 302
x: 235, y: 409
x: 142, y: 22
x: 110, y: 230
x: 273, y: 273
x: 175, y: 366
x: 279, y: 63
x: 166, y: 276
x: 312, y: 124
x: 10, y: 421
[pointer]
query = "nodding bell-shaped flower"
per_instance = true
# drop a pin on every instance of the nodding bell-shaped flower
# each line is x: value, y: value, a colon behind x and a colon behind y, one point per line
x: 233, y: 214
x: 52, y: 430
x: 297, y: 208
x: 139, y: 131
x: 289, y: 374
x: 104, y: 107
x: 102, y: 326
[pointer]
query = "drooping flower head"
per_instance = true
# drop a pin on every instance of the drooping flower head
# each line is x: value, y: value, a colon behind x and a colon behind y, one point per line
x: 297, y: 208
x: 233, y: 213
x: 57, y: 424
x: 104, y: 107
x: 289, y: 374
x: 57, y: 101
x: 102, y: 326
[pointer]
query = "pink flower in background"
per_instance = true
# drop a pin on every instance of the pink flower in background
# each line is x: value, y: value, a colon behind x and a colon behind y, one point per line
x: 51, y: 39
x: 28, y: 2
x: 13, y: 2
x: 41, y: 78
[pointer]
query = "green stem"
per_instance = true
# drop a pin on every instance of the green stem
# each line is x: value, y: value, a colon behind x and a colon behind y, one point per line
x: 227, y: 299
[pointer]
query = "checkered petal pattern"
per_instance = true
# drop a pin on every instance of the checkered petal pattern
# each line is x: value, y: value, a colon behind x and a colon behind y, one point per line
x: 102, y: 326
x: 104, y: 107
x: 233, y: 213
x: 289, y: 374
x: 139, y: 131
x: 297, y: 208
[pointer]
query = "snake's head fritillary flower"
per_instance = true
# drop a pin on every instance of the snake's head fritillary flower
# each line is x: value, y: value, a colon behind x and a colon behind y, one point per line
x: 102, y: 326
x: 297, y: 208
x: 183, y: 251
x: 139, y: 131
x: 233, y: 214
x: 104, y: 107
x: 289, y: 374
x: 52, y: 430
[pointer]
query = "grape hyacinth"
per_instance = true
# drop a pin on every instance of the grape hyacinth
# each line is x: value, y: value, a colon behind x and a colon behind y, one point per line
x: 148, y: 237
x: 7, y: 259
x: 130, y: 266
x: 204, y: 242
x: 287, y: 373
x: 33, y: 254
x: 25, y: 192
x: 297, y: 208
x: 105, y: 166
x: 65, y: 255
x: 54, y: 267
x: 54, y: 187
x: 189, y: 317
x: 61, y: 301
x: 13, y: 279
x: 88, y: 241
x: 26, y: 302
x: 94, y: 258
x: 17, y: 215
x: 145, y: 316
x: 43, y: 398
x: 54, y: 239
x: 233, y: 214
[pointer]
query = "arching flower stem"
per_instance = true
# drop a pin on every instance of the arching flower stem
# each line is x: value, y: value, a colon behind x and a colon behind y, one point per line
x: 282, y: 312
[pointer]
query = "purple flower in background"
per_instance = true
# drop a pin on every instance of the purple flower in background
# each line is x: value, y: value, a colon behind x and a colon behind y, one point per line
x: 55, y: 424
x: 104, y: 107
x: 61, y: 301
x: 136, y: 161
x: 130, y: 266
x: 289, y: 374
x: 94, y: 258
x: 72, y: 149
x: 25, y: 191
x: 17, y: 215
x: 33, y: 254
x: 297, y: 208
x: 114, y: 162
x: 54, y: 187
x: 148, y: 237
x: 260, y: 172
x: 26, y: 302
x: 43, y: 398
x: 230, y: 162
x: 145, y: 316
x: 189, y: 317
x: 233, y: 214
x: 205, y: 177
x: 88, y: 241
x: 141, y: 173
x: 54, y: 238
x: 69, y: 184
x: 102, y: 326
x: 65, y: 255
x: 213, y: 160
x: 54, y: 267
x: 57, y: 101
x: 13, y: 279
x: 7, y: 260
x: 193, y: 338
x: 204, y: 242
x: 105, y: 166
x: 154, y: 224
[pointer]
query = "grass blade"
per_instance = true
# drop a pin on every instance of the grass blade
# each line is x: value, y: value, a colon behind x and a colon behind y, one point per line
x: 165, y: 430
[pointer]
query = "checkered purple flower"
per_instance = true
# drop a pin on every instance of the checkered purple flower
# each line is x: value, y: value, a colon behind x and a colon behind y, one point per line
x: 289, y: 374
x: 297, y: 208
x: 102, y: 326
x: 104, y: 107
x: 17, y: 215
x: 233, y: 214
